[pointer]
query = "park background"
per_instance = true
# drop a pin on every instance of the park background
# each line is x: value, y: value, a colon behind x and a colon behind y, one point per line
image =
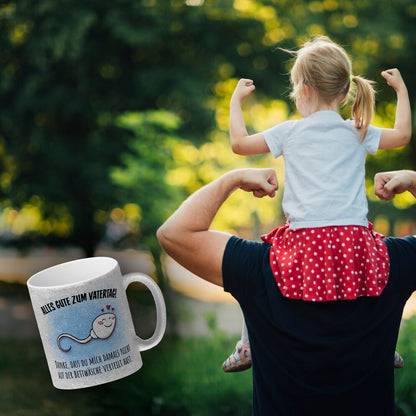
x: 112, y: 112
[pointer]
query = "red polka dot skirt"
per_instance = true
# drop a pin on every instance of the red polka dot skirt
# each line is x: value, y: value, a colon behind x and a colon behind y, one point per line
x: 328, y: 263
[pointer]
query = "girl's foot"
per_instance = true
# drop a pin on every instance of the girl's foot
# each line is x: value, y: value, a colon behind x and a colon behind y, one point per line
x: 239, y: 360
x: 398, y: 360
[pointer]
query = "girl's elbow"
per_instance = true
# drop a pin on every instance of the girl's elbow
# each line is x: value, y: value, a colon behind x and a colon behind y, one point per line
x: 406, y: 138
x: 236, y: 147
x: 401, y: 138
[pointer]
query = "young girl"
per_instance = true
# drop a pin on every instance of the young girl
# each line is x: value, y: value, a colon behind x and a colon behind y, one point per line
x: 327, y: 251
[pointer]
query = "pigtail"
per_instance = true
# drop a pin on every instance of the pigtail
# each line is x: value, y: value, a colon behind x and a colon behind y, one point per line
x: 363, y: 108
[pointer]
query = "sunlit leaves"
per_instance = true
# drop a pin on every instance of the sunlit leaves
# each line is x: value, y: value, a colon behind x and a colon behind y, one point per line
x: 18, y: 33
x: 66, y: 73
x: 195, y: 167
x: 143, y: 175
x: 30, y: 218
x: 403, y: 201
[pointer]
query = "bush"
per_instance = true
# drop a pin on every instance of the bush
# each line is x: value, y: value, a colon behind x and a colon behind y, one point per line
x: 178, y: 377
x: 181, y: 376
x: 405, y: 379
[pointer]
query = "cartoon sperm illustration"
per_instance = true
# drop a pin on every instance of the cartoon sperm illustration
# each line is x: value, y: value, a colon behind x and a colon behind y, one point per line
x: 102, y: 328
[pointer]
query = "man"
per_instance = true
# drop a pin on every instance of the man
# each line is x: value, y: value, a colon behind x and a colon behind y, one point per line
x: 325, y: 358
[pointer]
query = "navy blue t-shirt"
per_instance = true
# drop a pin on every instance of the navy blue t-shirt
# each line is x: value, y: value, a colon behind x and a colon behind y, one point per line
x: 323, y: 358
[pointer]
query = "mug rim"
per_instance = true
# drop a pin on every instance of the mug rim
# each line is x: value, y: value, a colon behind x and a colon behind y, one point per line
x: 35, y: 281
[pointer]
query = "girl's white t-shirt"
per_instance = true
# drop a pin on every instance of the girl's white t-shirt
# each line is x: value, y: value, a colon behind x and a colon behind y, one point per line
x: 324, y: 169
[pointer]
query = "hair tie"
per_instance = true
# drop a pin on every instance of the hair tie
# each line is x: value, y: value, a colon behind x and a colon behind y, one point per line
x: 351, y: 78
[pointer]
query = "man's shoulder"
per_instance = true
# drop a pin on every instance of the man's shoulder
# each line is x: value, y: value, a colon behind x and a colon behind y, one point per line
x: 244, y: 262
x: 400, y: 244
x: 402, y: 255
x: 241, y: 247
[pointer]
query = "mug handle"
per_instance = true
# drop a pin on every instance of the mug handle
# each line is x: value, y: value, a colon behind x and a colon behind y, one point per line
x: 146, y: 344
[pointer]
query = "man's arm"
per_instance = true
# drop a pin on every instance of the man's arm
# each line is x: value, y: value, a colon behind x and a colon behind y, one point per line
x: 388, y: 184
x: 186, y: 236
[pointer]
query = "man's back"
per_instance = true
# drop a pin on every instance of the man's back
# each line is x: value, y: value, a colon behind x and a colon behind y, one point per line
x: 335, y: 358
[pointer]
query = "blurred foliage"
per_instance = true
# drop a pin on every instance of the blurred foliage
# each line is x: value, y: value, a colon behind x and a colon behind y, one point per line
x: 404, y: 379
x: 141, y: 177
x: 180, y: 377
x: 113, y: 111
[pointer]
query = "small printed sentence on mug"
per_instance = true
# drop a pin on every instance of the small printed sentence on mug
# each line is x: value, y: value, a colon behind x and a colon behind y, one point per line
x: 94, y: 365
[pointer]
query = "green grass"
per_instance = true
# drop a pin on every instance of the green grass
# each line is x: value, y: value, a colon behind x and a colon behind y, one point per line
x: 405, y: 379
x: 178, y: 377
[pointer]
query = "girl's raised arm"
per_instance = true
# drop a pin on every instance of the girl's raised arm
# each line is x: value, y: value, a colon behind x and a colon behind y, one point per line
x: 399, y: 135
x: 241, y: 142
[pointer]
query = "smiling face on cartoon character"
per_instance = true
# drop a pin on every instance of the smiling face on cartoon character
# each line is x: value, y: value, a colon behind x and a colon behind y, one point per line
x: 103, y: 325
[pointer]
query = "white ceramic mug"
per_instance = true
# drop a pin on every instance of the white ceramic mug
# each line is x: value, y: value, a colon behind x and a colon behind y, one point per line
x: 85, y: 324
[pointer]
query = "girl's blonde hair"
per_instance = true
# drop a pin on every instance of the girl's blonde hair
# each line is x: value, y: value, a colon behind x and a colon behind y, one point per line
x: 325, y: 66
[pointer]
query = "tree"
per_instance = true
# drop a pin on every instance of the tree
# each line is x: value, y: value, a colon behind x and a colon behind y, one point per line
x: 69, y: 69
x: 142, y: 176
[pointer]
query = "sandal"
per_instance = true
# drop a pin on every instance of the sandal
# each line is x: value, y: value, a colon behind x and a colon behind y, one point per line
x: 239, y: 360
x: 398, y: 360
